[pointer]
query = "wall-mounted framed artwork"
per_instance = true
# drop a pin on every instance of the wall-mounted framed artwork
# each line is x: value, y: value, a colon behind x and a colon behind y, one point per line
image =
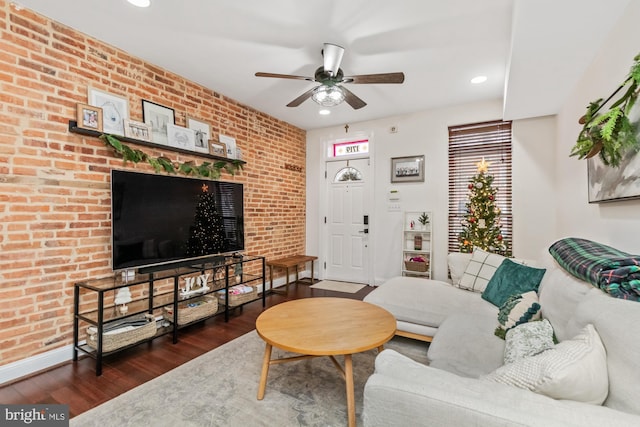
x: 609, y: 184
x: 137, y: 130
x: 180, y: 137
x: 89, y: 117
x: 115, y: 109
x: 202, y: 132
x: 158, y: 117
x: 407, y: 169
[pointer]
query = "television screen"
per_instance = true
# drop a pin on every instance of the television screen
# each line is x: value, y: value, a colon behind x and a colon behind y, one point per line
x: 158, y: 219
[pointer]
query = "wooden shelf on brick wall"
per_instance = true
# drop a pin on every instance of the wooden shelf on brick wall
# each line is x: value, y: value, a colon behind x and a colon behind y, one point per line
x: 73, y: 128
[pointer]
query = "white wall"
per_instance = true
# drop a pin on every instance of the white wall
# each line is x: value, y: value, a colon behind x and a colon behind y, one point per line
x: 534, y: 202
x: 616, y: 223
x: 427, y: 133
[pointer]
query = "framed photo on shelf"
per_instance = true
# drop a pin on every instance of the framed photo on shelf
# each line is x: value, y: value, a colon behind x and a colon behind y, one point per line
x: 179, y: 137
x: 217, y: 148
x: 115, y: 109
x: 137, y: 130
x: 158, y: 117
x: 407, y: 169
x: 89, y: 117
x: 202, y: 132
x: 230, y: 143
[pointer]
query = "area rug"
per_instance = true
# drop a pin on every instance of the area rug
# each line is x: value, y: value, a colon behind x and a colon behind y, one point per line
x: 219, y: 388
x: 330, y: 285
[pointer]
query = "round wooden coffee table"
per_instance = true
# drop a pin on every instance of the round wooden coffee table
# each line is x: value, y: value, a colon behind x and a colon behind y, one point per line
x: 316, y: 327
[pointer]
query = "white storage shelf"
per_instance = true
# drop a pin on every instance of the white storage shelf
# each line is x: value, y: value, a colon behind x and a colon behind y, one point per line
x: 416, y: 242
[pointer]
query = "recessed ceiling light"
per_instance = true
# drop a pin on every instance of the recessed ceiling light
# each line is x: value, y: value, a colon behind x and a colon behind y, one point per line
x: 478, y: 79
x: 140, y: 3
x: 324, y: 112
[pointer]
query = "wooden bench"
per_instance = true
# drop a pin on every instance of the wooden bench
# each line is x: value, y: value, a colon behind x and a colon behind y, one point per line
x: 287, y: 263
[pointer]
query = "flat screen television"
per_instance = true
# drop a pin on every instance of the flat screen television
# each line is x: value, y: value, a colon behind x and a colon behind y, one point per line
x: 160, y: 220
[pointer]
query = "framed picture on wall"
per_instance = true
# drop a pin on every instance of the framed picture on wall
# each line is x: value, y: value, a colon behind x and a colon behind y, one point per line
x: 158, y: 117
x: 115, y: 109
x: 202, y: 132
x: 608, y: 184
x: 89, y: 117
x: 407, y: 169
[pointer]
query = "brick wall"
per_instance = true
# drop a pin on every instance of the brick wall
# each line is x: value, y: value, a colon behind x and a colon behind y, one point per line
x: 54, y: 186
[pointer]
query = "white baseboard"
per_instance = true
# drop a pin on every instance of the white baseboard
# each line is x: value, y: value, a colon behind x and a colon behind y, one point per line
x: 31, y: 365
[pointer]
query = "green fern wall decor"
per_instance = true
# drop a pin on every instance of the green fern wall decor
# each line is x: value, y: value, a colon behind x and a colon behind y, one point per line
x: 610, y: 134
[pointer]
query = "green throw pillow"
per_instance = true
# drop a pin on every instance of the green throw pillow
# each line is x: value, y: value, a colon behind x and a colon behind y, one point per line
x: 516, y: 310
x: 512, y: 278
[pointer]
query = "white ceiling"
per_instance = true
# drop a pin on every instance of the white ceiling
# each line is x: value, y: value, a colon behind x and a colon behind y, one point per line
x: 533, y: 51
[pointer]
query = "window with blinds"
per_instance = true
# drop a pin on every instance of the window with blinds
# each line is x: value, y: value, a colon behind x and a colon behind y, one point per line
x: 468, y: 144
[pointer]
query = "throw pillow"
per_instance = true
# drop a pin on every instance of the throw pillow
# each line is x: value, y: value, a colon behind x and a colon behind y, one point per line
x: 517, y: 309
x: 457, y: 262
x: 574, y: 369
x: 512, y: 278
x: 527, y: 339
x: 480, y: 270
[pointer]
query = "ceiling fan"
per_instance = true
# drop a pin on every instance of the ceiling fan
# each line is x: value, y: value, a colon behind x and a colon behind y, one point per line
x: 331, y: 91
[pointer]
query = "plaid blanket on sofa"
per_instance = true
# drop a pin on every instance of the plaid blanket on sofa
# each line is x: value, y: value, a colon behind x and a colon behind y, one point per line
x: 613, y: 271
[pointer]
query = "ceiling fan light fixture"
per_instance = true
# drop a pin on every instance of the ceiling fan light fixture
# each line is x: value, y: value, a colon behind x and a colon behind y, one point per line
x: 140, y: 3
x: 328, y: 96
x: 324, y: 112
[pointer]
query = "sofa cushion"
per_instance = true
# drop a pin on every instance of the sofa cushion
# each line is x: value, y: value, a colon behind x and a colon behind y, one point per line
x: 512, y: 278
x: 527, y: 339
x: 457, y: 263
x: 560, y: 294
x: 480, y: 269
x: 427, y: 302
x: 465, y: 345
x: 516, y: 310
x: 574, y: 369
x: 617, y: 323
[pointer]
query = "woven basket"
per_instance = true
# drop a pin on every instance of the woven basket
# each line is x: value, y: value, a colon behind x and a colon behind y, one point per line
x: 193, y: 310
x: 236, y: 300
x: 114, y: 341
x: 416, y: 266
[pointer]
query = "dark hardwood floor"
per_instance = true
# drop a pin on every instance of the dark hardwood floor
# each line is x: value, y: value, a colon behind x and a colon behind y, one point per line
x: 77, y: 385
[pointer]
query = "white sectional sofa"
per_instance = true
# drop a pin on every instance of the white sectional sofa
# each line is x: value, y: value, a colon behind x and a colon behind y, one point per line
x: 467, y: 382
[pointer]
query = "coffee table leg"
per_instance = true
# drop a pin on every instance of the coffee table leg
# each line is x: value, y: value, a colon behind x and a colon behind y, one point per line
x: 351, y: 400
x: 265, y: 371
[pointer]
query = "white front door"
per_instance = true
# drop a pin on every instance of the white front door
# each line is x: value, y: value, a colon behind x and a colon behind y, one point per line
x: 348, y: 198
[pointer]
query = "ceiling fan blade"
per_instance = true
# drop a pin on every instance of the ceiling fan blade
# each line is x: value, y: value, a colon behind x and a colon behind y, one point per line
x: 375, y: 78
x: 299, y: 100
x: 285, y: 76
x: 332, y: 54
x: 351, y: 99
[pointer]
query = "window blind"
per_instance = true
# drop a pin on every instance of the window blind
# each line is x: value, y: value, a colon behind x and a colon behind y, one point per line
x: 468, y: 144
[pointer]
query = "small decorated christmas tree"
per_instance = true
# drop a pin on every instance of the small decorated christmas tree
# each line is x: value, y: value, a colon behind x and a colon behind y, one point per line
x: 481, y: 226
x: 207, y: 232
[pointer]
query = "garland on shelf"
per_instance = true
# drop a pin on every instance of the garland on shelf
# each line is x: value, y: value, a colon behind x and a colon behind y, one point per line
x: 611, y: 133
x: 159, y: 164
